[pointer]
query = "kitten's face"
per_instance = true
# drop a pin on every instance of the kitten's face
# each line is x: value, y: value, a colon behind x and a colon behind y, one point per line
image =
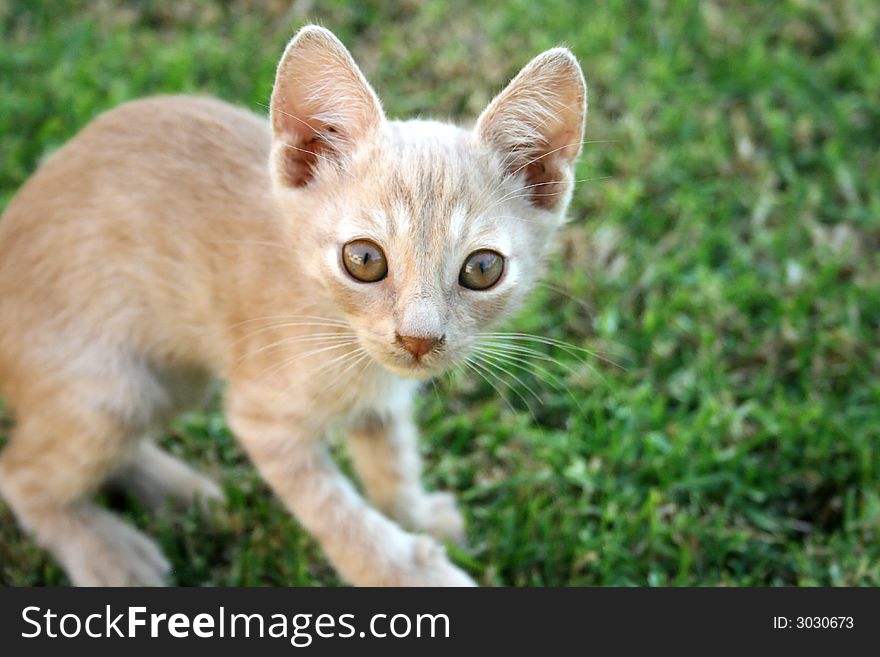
x: 460, y: 244
x: 423, y: 234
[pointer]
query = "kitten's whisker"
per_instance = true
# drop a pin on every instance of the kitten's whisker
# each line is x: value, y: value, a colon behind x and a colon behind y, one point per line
x: 599, y: 141
x: 326, y: 338
x: 534, y: 353
x: 289, y: 115
x: 523, y: 364
x: 324, y: 367
x: 516, y: 218
x: 334, y: 163
x: 565, y: 182
x: 506, y: 384
x: 299, y: 356
x: 467, y: 363
x: 559, y: 290
x: 362, y: 371
x: 320, y: 350
x: 362, y: 354
x: 268, y: 317
x: 490, y: 197
x: 532, y: 368
x: 319, y: 136
x: 490, y: 362
x: 436, y: 389
x: 535, y: 133
x: 357, y: 356
x: 254, y: 242
x: 572, y: 349
x: 489, y: 370
x: 341, y: 330
x: 556, y: 150
x: 518, y: 193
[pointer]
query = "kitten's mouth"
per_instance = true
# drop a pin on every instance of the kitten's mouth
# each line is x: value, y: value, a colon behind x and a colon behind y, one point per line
x: 411, y: 367
x: 415, y: 369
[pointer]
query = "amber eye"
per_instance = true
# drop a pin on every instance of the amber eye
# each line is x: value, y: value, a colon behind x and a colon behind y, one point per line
x: 365, y: 261
x: 481, y: 270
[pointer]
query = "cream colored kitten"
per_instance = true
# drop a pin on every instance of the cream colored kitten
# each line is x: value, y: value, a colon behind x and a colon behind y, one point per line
x: 321, y: 264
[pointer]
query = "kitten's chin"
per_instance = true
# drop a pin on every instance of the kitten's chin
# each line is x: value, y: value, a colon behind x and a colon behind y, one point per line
x: 415, y: 370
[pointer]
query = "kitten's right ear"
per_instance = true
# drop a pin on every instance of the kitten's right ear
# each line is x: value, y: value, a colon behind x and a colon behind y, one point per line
x: 537, y: 124
x: 321, y: 106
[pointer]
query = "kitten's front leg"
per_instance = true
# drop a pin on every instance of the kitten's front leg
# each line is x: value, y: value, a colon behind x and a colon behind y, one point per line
x: 366, y: 548
x: 385, y: 452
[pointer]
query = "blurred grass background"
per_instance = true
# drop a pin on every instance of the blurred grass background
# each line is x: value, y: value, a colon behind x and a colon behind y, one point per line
x: 726, y: 258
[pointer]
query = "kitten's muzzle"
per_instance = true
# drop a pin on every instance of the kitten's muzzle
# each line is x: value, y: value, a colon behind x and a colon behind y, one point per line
x: 420, y: 346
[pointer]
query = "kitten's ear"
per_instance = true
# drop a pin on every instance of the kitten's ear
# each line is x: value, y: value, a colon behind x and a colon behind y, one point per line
x: 321, y: 106
x: 537, y: 124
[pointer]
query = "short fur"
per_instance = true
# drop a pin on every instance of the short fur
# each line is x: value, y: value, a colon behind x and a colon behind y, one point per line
x: 178, y: 240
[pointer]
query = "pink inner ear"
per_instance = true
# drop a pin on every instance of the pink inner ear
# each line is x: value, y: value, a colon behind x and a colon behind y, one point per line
x: 545, y: 171
x: 544, y: 168
x: 302, y: 148
x: 321, y: 106
x: 566, y: 144
x: 545, y: 183
x: 536, y: 123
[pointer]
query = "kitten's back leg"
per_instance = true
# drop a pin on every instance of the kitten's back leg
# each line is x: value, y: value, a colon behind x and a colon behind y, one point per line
x: 157, y: 478
x: 59, y: 452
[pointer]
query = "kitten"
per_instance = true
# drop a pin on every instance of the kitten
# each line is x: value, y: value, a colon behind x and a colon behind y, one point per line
x: 321, y: 264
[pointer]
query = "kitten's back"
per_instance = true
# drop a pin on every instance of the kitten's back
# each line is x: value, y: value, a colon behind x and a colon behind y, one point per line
x: 123, y: 229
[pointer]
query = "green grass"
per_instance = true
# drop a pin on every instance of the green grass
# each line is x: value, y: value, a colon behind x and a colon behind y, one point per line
x: 727, y: 258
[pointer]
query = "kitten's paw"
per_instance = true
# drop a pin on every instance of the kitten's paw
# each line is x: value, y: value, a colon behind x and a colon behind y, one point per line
x: 159, y: 479
x: 205, y: 494
x: 407, y: 560
x: 441, y: 518
x: 433, y: 568
x: 114, y: 554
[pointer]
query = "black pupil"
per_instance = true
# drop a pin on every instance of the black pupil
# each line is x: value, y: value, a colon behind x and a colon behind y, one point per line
x: 366, y: 257
x: 484, y: 261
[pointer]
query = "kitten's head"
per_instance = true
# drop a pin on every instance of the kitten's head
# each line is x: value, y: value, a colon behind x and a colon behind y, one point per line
x: 424, y: 234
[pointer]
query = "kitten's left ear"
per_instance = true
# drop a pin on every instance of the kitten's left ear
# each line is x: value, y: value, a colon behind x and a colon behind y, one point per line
x: 321, y: 106
x: 537, y: 125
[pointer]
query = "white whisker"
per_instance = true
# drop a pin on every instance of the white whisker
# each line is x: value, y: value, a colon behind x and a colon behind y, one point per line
x: 252, y: 242
x: 574, y: 350
x: 528, y: 351
x: 339, y: 322
x: 332, y: 162
x: 467, y: 363
x: 358, y: 356
x: 488, y: 371
x: 490, y: 362
x: 519, y: 193
x: 513, y: 154
x: 530, y: 367
x: 523, y: 364
x: 301, y: 355
x: 326, y: 338
x: 341, y: 329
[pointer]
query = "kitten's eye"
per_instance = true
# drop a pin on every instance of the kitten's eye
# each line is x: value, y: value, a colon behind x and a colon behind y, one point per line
x: 481, y: 270
x: 365, y: 261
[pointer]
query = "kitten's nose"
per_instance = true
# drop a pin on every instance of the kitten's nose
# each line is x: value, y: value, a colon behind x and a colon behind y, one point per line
x: 418, y: 347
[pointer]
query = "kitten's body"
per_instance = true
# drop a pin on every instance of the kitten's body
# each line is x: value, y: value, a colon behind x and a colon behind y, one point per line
x: 168, y: 261
x: 157, y: 252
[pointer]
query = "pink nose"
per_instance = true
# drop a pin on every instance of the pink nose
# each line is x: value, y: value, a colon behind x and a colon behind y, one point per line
x: 418, y: 347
